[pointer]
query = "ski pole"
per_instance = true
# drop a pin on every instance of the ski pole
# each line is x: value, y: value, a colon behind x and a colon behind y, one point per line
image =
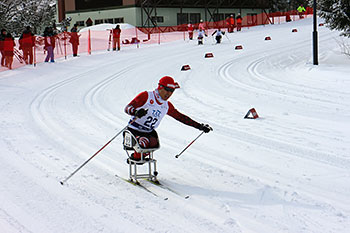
x: 228, y: 38
x: 109, y: 39
x: 67, y: 178
x: 177, y: 156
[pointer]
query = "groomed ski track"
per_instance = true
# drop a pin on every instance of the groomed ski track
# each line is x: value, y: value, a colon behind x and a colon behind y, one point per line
x: 285, y: 172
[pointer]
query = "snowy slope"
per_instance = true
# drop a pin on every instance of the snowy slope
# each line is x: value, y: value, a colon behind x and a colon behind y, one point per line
x: 287, y: 171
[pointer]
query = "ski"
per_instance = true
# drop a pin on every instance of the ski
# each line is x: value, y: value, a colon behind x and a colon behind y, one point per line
x: 138, y: 184
x: 158, y: 184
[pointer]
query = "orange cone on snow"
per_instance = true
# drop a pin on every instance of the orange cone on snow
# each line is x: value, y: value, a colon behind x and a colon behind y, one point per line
x: 251, y: 114
x: 208, y: 55
x: 185, y: 67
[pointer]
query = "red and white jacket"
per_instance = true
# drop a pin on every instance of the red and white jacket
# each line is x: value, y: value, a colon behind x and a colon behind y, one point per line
x: 190, y: 27
x: 157, y: 109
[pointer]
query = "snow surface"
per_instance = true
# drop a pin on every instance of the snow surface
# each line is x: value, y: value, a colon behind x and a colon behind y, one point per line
x: 288, y: 171
x: 107, y: 26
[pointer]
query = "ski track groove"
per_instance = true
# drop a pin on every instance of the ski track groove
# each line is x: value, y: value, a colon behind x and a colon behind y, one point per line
x: 254, y: 74
x: 256, y: 77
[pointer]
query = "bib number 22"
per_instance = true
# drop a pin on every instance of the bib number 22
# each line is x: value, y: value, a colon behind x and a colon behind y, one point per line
x: 150, y: 122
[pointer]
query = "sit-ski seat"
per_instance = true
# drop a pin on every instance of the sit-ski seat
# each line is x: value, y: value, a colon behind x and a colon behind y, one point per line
x: 130, y: 144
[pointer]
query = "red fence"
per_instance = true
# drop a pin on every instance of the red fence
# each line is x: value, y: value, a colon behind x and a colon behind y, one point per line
x: 131, y: 37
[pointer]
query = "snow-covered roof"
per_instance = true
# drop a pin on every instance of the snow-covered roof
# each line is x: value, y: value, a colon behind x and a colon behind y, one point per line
x: 107, y: 26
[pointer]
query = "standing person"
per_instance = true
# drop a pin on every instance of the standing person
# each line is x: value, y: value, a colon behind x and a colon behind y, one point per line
x: 201, y: 25
x: 149, y: 108
x: 301, y: 10
x: 49, y: 39
x: 190, y: 30
x: 309, y: 10
x: 116, y: 37
x: 27, y: 42
x: 9, y: 45
x: 239, y: 22
x: 288, y: 19
x: 2, y: 39
x: 230, y: 24
x: 201, y: 34
x: 74, y: 39
x: 218, y: 35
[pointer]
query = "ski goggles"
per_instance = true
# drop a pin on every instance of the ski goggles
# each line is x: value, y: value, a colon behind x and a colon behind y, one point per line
x: 168, y: 88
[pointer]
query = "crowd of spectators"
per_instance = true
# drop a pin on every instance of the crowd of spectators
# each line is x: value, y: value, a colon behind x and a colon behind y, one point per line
x: 27, y: 43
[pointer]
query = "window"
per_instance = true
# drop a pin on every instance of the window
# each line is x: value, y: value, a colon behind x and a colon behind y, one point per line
x: 80, y: 23
x: 119, y: 20
x: 218, y: 17
x: 159, y: 19
x: 98, y: 21
x: 108, y: 20
x: 93, y: 4
x: 252, y: 18
x: 195, y: 17
x: 182, y: 18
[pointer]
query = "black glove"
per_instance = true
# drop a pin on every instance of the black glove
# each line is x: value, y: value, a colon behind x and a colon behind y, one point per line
x: 141, y: 112
x: 205, y: 127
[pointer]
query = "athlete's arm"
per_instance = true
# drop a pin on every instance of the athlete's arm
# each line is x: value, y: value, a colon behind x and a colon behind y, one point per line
x: 137, y: 102
x: 173, y: 112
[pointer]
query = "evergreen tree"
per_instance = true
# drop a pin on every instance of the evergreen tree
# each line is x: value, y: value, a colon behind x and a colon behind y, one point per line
x: 294, y: 4
x: 15, y: 15
x: 336, y: 14
x: 8, y: 14
x: 278, y: 5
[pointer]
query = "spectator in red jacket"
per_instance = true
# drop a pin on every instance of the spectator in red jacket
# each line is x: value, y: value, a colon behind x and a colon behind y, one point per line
x: 190, y: 31
x: 9, y: 45
x: 74, y: 39
x: 201, y: 25
x: 239, y: 22
x: 27, y: 42
x: 230, y: 24
x: 2, y: 39
x: 116, y: 37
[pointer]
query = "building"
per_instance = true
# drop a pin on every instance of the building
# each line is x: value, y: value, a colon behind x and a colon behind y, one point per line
x: 151, y: 13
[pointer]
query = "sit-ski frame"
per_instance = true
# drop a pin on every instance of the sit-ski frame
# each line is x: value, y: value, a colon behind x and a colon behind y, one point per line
x: 130, y: 143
